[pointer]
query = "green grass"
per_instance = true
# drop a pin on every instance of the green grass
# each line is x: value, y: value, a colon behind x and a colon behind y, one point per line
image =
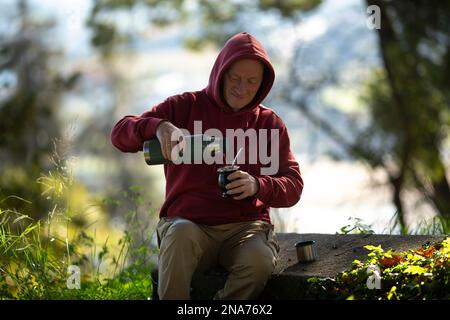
x: 34, y: 264
x: 35, y: 255
x: 438, y: 225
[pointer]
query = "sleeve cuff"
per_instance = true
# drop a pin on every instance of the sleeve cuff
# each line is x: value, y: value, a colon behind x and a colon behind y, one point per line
x: 152, y: 125
x: 263, y: 190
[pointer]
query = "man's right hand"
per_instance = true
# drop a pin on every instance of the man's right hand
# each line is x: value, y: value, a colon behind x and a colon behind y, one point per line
x: 165, y: 132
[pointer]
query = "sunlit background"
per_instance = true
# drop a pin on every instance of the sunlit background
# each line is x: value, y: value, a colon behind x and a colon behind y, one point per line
x: 71, y: 69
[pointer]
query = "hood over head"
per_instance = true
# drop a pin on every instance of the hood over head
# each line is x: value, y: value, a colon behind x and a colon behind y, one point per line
x: 241, y: 46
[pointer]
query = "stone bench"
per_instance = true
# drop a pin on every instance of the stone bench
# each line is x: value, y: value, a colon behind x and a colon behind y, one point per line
x: 289, y: 279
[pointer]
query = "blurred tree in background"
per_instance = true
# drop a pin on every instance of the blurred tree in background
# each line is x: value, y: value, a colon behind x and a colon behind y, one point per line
x: 409, y: 101
x: 31, y: 90
x: 405, y: 128
x: 207, y: 21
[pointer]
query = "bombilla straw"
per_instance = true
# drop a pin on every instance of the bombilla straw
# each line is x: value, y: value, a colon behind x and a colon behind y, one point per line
x: 237, y: 156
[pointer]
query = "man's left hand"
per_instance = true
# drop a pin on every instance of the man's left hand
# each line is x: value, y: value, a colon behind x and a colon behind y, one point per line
x: 243, y: 184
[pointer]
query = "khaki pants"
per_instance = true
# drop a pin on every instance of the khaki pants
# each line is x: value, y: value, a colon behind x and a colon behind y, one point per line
x: 247, y: 250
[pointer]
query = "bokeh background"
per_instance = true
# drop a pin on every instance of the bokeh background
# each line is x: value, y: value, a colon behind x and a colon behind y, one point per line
x: 367, y: 109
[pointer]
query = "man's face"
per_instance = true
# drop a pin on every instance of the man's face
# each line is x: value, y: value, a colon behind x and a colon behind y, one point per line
x: 241, y: 82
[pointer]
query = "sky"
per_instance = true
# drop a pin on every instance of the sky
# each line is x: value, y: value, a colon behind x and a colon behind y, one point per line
x: 70, y: 16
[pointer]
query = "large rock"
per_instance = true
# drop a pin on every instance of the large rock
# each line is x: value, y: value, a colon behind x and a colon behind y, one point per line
x: 289, y: 281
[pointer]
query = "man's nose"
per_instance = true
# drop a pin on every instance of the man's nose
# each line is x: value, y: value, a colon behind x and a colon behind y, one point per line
x: 241, y: 87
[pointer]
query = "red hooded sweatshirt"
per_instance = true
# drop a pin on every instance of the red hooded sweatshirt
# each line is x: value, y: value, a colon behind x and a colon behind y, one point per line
x: 191, y: 189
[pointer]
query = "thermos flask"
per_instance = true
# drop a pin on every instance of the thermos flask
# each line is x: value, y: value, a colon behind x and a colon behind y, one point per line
x: 196, y: 146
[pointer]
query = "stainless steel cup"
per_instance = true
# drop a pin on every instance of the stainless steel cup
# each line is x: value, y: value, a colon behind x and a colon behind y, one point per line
x: 306, y: 251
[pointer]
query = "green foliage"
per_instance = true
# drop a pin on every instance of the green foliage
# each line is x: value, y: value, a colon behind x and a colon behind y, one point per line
x: 289, y: 8
x: 357, y: 226
x: 408, y: 102
x: 421, y: 273
x: 34, y: 256
x: 29, y: 112
x: 140, y: 223
x: 217, y: 20
x: 34, y: 266
x: 434, y: 226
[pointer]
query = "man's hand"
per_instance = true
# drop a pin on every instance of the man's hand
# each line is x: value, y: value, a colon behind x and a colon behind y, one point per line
x: 242, y: 183
x: 165, y: 132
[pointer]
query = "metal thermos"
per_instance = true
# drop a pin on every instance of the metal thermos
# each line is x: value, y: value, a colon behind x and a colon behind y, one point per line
x: 196, y: 146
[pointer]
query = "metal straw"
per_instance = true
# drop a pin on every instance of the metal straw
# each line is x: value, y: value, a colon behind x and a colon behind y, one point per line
x: 235, y: 158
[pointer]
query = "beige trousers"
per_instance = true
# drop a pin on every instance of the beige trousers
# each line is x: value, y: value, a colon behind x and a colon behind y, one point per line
x: 247, y: 250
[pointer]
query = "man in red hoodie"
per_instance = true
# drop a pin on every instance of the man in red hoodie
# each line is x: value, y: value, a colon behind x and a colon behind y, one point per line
x: 198, y: 228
